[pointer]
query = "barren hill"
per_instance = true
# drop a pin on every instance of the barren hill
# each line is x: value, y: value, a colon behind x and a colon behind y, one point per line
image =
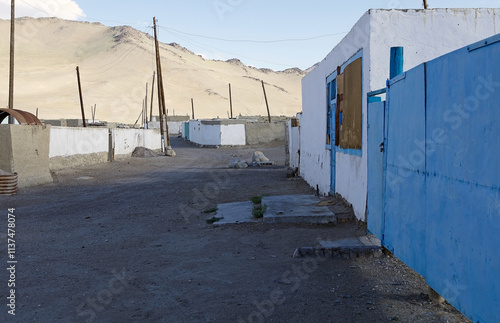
x: 115, y: 65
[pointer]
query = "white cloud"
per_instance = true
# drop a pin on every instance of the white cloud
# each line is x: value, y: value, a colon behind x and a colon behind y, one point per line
x: 65, y: 9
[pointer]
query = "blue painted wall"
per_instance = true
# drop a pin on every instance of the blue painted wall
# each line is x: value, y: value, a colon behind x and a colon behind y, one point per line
x: 441, y: 176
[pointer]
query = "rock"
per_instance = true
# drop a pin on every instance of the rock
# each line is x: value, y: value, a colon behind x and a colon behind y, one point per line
x: 242, y: 164
x: 237, y: 163
x: 233, y: 163
x: 258, y: 156
x: 143, y: 152
x: 170, y: 152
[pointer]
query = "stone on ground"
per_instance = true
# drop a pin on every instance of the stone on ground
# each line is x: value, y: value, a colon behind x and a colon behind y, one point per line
x: 237, y: 163
x: 143, y: 152
x: 259, y: 156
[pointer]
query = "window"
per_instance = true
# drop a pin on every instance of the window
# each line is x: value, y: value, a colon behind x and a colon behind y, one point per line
x: 348, y: 118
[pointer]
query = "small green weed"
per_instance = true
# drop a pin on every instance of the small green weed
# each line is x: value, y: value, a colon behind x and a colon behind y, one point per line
x: 213, y: 220
x: 211, y: 210
x: 258, y: 211
x: 256, y: 199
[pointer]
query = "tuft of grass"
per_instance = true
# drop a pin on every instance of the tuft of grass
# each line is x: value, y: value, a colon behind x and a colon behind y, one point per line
x: 211, y: 210
x: 256, y: 199
x: 258, y: 211
x: 214, y: 219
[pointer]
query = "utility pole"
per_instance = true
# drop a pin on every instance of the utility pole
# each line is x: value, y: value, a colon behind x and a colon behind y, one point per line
x: 161, y: 97
x: 146, y: 108
x: 425, y: 4
x: 152, y: 96
x: 158, y: 68
x: 81, y: 97
x: 11, y: 71
x: 230, y: 102
x: 192, y: 107
x: 267, y: 104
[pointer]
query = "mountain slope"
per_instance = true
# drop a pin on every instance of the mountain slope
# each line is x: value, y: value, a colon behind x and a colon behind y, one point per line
x: 115, y: 65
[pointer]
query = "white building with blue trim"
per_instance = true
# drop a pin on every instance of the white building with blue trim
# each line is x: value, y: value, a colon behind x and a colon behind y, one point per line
x: 333, y: 123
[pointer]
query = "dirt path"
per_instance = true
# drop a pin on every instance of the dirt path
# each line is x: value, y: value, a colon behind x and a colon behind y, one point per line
x: 126, y: 242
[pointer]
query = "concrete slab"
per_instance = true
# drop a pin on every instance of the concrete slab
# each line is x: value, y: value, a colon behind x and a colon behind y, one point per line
x: 238, y: 212
x: 296, y: 209
x: 368, y: 246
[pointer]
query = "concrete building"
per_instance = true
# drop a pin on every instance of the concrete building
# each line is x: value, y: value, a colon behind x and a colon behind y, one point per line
x: 333, y: 143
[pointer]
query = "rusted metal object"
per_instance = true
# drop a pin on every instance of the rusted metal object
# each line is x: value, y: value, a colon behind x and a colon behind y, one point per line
x: 22, y: 117
x: 8, y: 183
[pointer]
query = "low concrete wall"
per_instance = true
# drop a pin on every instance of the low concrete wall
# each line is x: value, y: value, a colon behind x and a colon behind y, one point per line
x: 25, y: 151
x: 204, y: 134
x: 261, y: 133
x: 232, y: 135
x: 74, y: 147
x: 217, y: 132
x: 126, y: 140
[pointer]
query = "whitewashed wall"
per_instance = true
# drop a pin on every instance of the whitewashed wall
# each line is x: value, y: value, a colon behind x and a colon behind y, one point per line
x: 204, y: 134
x: 73, y: 141
x: 126, y: 140
x: 68, y: 141
x: 425, y: 34
x: 216, y: 134
x: 233, y: 135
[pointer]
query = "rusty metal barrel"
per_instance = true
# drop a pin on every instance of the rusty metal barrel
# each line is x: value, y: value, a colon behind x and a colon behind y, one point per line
x: 8, y: 183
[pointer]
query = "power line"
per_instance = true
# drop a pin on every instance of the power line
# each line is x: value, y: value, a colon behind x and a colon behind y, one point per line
x: 254, y: 40
x: 204, y: 46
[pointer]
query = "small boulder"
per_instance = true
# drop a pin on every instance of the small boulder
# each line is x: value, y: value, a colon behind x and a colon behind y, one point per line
x: 237, y: 163
x: 233, y: 163
x: 143, y: 152
x: 242, y: 164
x: 258, y: 156
x: 170, y: 152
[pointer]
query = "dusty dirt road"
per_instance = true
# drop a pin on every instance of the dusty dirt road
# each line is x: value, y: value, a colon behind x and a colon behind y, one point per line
x: 126, y: 242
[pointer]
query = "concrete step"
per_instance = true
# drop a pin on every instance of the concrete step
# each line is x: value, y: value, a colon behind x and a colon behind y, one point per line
x: 353, y: 248
x: 296, y: 209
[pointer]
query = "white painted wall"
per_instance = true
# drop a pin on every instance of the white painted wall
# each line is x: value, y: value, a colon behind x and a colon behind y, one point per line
x: 233, y: 135
x: 203, y: 134
x: 70, y: 141
x: 425, y: 35
x: 126, y: 140
x: 65, y: 141
x: 175, y: 127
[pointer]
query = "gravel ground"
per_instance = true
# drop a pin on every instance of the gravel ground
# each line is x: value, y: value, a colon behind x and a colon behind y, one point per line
x: 127, y: 242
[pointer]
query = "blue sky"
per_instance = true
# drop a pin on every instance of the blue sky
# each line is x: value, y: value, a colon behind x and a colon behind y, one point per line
x: 264, y: 33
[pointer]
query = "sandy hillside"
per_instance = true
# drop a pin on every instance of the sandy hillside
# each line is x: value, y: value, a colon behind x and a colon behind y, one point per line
x: 115, y: 65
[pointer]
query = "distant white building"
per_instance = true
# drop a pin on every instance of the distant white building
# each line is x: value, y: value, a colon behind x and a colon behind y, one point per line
x: 333, y: 142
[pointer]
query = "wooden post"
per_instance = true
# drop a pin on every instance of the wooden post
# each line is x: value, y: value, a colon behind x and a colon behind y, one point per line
x: 11, y: 71
x: 161, y: 93
x: 37, y: 112
x: 158, y: 68
x: 192, y: 107
x: 267, y: 104
x: 425, y: 5
x: 81, y: 97
x: 152, y: 96
x: 230, y: 102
